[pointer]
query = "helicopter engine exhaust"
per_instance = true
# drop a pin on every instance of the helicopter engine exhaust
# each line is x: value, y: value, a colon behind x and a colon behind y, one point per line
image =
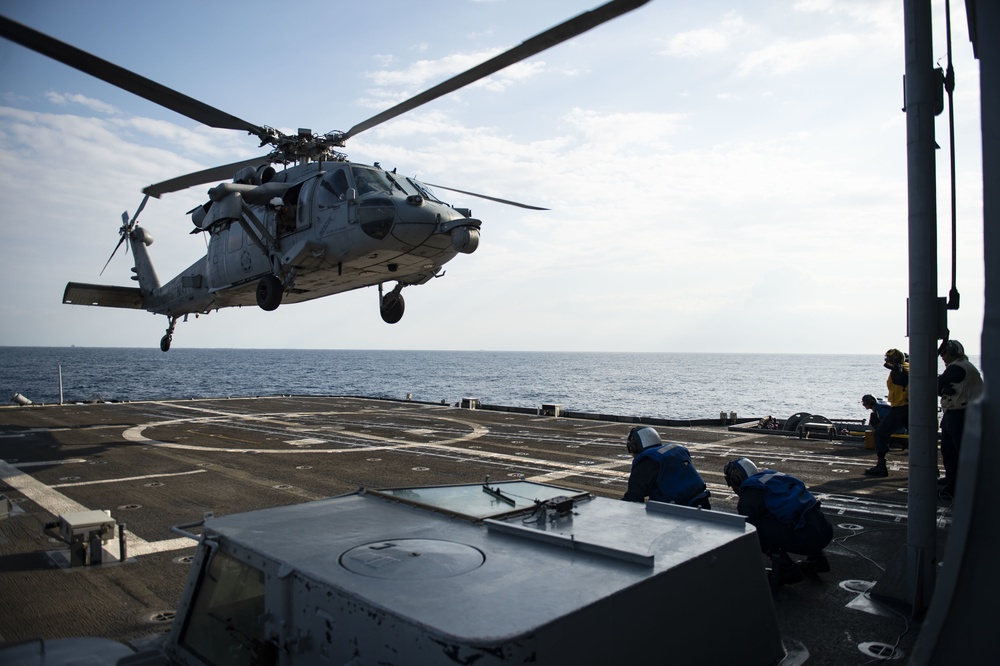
x: 465, y: 239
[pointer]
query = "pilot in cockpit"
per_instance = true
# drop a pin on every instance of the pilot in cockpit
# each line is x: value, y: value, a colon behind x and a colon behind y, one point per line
x: 364, y: 181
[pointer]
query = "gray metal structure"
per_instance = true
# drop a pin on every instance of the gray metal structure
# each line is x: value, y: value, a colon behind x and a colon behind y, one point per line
x: 954, y: 593
x: 914, y: 583
x: 959, y: 625
x: 518, y: 572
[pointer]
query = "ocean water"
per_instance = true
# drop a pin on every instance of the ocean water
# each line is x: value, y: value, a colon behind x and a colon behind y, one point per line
x: 663, y: 385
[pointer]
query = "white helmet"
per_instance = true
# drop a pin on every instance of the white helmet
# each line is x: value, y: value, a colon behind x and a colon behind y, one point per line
x: 738, y: 471
x: 952, y: 348
x: 642, y: 437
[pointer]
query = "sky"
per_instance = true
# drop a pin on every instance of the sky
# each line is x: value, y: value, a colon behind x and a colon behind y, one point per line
x: 722, y: 177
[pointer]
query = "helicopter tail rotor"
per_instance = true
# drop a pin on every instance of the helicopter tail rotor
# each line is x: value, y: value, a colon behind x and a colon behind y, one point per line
x: 125, y: 230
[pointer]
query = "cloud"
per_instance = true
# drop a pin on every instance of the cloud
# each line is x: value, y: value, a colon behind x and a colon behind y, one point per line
x: 849, y: 29
x: 885, y: 16
x: 423, y: 74
x: 642, y: 128
x: 416, y: 74
x: 706, y: 41
x: 215, y: 143
x: 65, y: 99
x: 784, y: 57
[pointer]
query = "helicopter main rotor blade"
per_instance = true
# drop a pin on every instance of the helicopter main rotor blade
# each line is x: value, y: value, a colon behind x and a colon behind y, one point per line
x: 537, y: 44
x: 483, y: 196
x: 123, y: 78
x: 223, y: 172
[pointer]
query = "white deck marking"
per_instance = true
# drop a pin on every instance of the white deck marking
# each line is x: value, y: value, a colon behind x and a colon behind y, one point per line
x: 127, y: 478
x: 134, y: 434
x: 608, y: 469
x: 138, y: 547
x: 54, y: 502
x: 308, y: 441
x: 43, y: 463
x: 57, y: 504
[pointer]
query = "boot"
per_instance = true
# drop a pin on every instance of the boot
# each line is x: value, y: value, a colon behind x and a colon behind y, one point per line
x: 814, y: 564
x: 878, y: 470
x: 783, y: 571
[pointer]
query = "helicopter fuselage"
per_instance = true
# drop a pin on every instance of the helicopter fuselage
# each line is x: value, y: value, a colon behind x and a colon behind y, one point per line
x: 320, y: 228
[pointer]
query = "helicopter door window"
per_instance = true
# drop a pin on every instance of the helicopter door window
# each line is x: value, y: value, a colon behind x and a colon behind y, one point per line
x: 285, y: 210
x: 284, y: 214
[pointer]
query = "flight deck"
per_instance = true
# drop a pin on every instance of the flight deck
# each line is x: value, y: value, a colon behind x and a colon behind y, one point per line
x: 150, y: 466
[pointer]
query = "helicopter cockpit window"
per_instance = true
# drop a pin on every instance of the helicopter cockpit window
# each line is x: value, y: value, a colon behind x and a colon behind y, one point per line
x: 404, y: 185
x: 332, y: 189
x: 370, y: 180
x: 425, y: 192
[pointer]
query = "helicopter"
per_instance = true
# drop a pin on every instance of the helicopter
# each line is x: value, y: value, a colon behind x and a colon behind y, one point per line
x: 320, y: 225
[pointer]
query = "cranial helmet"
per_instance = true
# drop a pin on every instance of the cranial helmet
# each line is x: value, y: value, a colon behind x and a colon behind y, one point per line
x: 895, y: 356
x: 738, y: 471
x: 952, y: 348
x: 642, y: 437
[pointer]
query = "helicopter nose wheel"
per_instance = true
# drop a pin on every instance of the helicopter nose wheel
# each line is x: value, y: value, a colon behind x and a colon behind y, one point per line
x: 269, y: 293
x: 391, y: 305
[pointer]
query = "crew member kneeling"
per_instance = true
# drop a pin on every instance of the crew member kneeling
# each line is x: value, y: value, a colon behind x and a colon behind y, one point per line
x: 787, y: 517
x: 662, y: 472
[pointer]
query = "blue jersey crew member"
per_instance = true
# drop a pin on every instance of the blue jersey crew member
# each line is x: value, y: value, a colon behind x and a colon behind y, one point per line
x: 663, y: 472
x: 787, y: 517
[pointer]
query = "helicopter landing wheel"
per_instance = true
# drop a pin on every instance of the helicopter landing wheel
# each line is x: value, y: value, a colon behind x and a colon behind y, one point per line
x: 168, y: 338
x: 392, y: 307
x: 269, y: 293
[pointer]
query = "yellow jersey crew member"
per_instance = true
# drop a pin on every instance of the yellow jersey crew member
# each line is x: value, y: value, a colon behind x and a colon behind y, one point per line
x: 898, y: 416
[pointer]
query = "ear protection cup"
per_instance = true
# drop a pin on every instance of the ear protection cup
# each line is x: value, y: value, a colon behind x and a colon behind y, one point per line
x: 738, y: 471
x: 633, y: 443
x: 642, y: 437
